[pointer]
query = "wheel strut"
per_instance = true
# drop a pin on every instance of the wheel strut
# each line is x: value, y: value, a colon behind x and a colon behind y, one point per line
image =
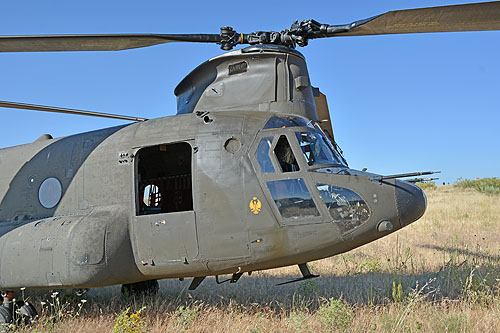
x: 6, y: 309
x: 18, y: 311
x: 8, y: 299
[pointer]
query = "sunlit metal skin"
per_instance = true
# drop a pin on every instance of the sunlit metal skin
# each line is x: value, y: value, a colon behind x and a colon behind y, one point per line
x: 411, y: 201
x: 93, y: 233
x: 228, y: 237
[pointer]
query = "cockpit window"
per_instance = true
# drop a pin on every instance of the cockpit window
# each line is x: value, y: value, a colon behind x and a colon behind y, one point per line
x: 285, y: 155
x: 347, y: 208
x: 289, y: 121
x: 334, y: 146
x: 292, y: 198
x: 334, y: 170
x: 316, y: 150
x: 262, y: 154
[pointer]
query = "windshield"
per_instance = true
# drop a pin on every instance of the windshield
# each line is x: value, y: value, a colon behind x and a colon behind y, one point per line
x: 317, y: 149
x: 287, y: 121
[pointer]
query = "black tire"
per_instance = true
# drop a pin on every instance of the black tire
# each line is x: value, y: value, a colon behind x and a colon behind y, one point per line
x: 25, y: 312
x: 143, y: 288
x: 5, y: 318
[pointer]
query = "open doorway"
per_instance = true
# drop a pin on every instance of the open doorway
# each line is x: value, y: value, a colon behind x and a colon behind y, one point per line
x: 164, y: 179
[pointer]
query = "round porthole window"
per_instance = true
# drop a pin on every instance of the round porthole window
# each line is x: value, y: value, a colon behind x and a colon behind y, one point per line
x: 50, y: 192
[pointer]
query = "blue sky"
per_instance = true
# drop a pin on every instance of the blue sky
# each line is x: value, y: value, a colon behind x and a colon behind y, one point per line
x: 398, y: 103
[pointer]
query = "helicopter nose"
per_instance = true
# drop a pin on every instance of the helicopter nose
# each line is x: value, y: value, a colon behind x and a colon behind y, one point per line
x: 411, y: 202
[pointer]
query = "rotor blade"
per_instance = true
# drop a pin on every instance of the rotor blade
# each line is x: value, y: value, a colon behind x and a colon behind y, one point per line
x: 468, y: 17
x: 52, y: 43
x: 13, y: 105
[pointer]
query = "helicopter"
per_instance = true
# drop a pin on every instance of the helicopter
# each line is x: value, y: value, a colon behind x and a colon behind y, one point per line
x: 247, y: 176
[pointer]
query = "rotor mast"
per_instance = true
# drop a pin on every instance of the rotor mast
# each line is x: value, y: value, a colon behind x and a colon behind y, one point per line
x: 464, y: 17
x: 468, y: 17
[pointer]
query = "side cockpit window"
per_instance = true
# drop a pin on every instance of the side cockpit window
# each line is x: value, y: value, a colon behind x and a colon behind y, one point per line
x: 285, y: 155
x: 282, y: 151
x: 293, y: 198
x: 280, y: 172
x: 164, y: 179
x: 262, y: 154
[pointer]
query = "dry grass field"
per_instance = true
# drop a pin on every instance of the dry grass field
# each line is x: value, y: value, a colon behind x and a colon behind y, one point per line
x: 441, y: 273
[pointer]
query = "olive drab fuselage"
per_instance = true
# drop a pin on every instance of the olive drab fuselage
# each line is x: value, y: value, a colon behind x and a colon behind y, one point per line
x: 241, y: 179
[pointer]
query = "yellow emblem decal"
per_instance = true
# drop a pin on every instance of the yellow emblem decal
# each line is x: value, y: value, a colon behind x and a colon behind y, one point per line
x: 255, y: 205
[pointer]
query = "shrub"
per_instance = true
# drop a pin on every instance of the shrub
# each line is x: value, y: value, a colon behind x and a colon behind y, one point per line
x: 335, y: 315
x: 485, y: 185
x: 129, y: 323
x: 185, y: 315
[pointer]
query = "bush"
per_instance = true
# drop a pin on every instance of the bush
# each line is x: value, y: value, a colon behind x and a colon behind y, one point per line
x: 485, y: 185
x: 126, y: 322
x: 185, y: 315
x: 336, y: 315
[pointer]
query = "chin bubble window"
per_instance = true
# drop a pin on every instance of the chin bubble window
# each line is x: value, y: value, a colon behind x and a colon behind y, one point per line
x: 346, y: 207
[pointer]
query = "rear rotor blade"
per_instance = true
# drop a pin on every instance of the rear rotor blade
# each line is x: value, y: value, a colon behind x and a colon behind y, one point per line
x: 13, y: 105
x: 52, y: 43
x: 468, y: 17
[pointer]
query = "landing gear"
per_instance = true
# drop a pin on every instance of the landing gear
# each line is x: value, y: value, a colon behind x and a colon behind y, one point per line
x: 143, y: 288
x: 6, y: 310
x: 18, y: 312
x: 25, y: 312
x: 5, y: 317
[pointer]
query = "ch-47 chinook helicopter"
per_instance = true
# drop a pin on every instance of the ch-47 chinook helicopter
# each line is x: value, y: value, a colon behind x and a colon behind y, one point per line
x: 247, y: 176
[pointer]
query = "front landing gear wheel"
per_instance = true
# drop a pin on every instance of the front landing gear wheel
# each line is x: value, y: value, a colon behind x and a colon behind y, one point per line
x: 143, y: 288
x: 25, y: 312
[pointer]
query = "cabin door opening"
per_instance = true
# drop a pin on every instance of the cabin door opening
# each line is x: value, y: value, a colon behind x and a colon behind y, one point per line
x: 165, y: 224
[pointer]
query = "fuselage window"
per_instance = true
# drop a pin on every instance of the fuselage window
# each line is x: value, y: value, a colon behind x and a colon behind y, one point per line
x: 164, y: 179
x: 292, y: 198
x: 285, y: 155
x: 262, y: 155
